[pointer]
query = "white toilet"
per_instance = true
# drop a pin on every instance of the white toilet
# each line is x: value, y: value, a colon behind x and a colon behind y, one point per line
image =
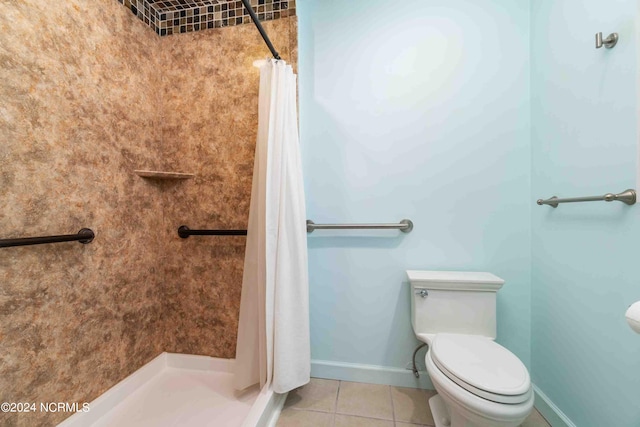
x: 479, y: 382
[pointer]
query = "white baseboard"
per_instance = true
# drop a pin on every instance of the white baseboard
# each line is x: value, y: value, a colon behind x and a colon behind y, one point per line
x: 372, y: 374
x: 550, y: 411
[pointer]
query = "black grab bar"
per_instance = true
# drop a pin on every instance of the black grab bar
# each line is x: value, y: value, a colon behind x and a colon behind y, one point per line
x: 184, y: 232
x: 84, y: 236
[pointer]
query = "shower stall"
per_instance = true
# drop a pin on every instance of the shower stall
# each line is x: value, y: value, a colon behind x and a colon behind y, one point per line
x: 125, y: 120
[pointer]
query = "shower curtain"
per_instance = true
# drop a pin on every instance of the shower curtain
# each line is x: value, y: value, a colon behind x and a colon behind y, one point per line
x: 273, y: 344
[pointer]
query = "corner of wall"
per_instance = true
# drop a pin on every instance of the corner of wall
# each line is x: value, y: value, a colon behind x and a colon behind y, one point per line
x: 550, y: 411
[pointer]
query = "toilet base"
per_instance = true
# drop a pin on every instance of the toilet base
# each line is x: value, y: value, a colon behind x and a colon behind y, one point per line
x: 439, y: 411
x: 443, y: 417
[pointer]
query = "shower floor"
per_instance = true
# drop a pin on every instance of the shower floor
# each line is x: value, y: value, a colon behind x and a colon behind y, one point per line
x: 181, y: 390
x: 183, y: 397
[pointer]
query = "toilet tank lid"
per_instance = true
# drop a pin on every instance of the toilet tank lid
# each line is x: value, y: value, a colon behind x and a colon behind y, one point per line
x: 455, y: 280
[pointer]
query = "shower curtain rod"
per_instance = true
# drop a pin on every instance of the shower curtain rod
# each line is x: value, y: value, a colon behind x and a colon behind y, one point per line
x: 258, y: 25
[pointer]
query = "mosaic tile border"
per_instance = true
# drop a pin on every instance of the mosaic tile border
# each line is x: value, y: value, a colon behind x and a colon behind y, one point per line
x: 167, y: 17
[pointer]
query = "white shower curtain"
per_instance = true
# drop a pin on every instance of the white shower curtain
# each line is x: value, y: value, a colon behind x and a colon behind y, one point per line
x: 273, y: 344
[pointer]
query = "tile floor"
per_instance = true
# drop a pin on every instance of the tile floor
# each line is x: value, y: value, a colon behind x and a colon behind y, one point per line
x: 330, y: 403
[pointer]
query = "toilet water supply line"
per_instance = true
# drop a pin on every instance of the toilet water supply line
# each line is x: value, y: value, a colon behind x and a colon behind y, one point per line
x: 415, y: 368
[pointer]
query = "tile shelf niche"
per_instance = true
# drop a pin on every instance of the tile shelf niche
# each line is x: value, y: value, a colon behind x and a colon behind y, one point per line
x: 163, y: 174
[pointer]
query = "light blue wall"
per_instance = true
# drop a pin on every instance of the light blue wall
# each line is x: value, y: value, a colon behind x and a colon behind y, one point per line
x: 414, y: 109
x: 585, y: 256
x: 421, y: 110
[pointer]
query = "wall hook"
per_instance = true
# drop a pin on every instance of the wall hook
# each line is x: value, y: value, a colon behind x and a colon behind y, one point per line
x: 609, y: 42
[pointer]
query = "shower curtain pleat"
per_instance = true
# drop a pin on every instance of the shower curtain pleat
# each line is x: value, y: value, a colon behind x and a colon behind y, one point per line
x: 273, y: 344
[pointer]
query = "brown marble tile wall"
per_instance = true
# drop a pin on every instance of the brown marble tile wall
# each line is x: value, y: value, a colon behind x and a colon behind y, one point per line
x: 88, y: 95
x: 78, y: 113
x: 209, y: 126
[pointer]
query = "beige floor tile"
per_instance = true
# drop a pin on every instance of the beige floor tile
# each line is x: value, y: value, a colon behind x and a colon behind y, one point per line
x: 365, y: 400
x: 411, y: 405
x: 351, y: 421
x: 318, y: 395
x: 300, y: 418
x: 410, y: 425
x: 535, y: 420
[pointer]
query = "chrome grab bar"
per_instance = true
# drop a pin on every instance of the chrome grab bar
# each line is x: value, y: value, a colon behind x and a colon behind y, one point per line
x: 627, y: 196
x: 405, y: 226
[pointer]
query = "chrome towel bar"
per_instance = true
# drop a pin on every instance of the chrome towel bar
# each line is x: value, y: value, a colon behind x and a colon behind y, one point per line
x: 405, y: 226
x: 627, y: 196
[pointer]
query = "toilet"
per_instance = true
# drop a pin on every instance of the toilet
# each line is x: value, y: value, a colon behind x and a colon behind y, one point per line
x: 479, y: 382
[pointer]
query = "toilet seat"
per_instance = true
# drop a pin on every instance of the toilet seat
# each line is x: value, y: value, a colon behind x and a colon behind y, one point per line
x: 482, y: 367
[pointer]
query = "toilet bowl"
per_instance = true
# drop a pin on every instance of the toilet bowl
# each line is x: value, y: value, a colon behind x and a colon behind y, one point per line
x: 479, y: 382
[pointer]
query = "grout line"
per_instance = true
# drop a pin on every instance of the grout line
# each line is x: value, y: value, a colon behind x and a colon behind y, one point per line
x: 335, y: 405
x: 374, y: 419
x: 368, y: 418
x: 363, y: 416
x: 310, y: 410
x: 393, y: 407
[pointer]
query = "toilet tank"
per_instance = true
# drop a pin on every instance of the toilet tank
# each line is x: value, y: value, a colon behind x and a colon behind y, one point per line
x: 458, y: 302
